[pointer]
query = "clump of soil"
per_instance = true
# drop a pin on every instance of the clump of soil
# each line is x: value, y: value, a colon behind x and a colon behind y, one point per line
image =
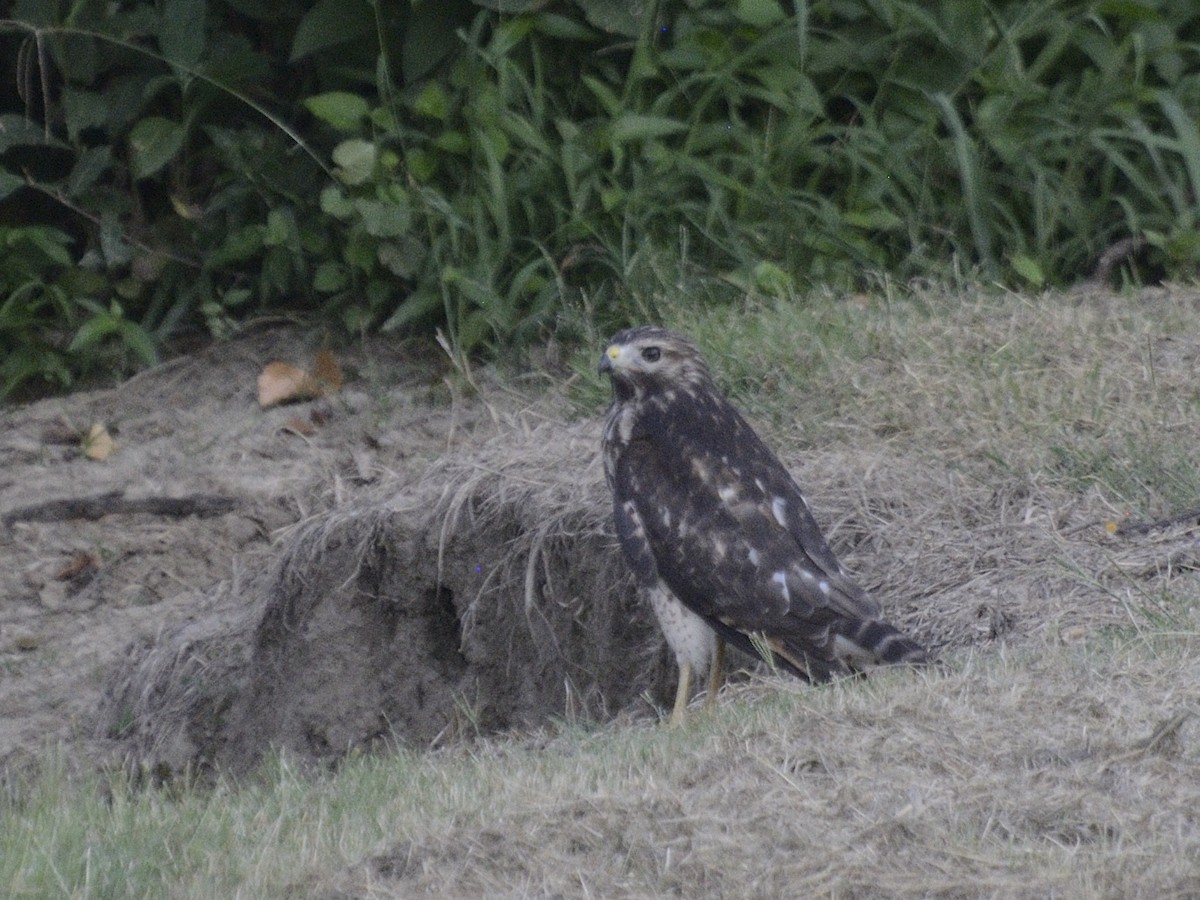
x: 488, y: 595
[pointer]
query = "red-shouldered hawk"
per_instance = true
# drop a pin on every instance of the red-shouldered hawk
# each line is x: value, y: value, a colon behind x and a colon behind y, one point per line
x: 716, y: 531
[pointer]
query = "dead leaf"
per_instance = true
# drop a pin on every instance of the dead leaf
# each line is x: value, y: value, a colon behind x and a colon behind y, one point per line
x: 28, y: 642
x: 98, y: 444
x: 328, y: 373
x: 281, y: 382
x: 76, y: 565
x: 302, y: 427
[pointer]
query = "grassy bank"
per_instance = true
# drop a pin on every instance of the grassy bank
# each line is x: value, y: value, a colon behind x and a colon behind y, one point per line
x: 1003, y: 436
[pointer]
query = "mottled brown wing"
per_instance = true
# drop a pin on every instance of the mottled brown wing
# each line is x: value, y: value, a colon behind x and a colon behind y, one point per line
x: 725, y: 524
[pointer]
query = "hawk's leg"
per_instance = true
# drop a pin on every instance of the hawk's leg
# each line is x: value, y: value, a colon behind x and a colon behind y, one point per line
x: 681, y: 695
x: 716, y: 675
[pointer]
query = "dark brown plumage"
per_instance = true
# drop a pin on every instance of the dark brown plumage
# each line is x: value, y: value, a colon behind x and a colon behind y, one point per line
x: 716, y: 531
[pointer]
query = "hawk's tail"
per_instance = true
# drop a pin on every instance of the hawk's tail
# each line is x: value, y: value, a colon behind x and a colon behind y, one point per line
x: 846, y: 647
x: 877, y: 643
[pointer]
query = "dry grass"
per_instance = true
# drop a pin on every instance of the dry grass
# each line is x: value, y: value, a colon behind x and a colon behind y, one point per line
x: 1051, y: 771
x: 968, y: 460
x: 1038, y: 774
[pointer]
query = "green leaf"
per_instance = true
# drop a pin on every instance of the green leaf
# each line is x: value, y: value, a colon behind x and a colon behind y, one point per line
x: 238, y: 246
x: 343, y: 110
x: 421, y: 164
x: 335, y: 203
x: 615, y: 16
x: 561, y: 28
x: 9, y: 182
x: 88, y: 168
x: 453, y: 142
x: 402, y: 257
x: 92, y: 332
x: 330, y: 277
x: 759, y: 13
x: 432, y: 101
x: 83, y: 109
x: 875, y: 219
x: 137, y: 339
x: 1027, y: 267
x: 382, y: 219
x: 637, y: 127
x: 153, y: 143
x: 432, y: 34
x: 281, y: 228
x: 50, y: 241
x: 17, y: 131
x: 331, y: 23
x: 421, y: 304
x: 181, y: 31
x: 355, y: 160
x: 771, y: 279
x: 603, y: 93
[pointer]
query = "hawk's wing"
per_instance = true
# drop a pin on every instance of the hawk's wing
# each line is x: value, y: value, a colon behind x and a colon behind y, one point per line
x: 702, y: 504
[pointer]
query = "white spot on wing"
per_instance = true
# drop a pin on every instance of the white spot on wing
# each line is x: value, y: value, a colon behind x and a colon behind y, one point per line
x: 666, y: 518
x: 727, y: 493
x: 778, y: 506
x: 780, y: 578
x: 824, y: 586
x: 753, y: 556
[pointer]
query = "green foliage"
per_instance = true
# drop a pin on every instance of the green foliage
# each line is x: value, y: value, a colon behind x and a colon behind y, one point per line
x: 494, y: 168
x: 34, y: 305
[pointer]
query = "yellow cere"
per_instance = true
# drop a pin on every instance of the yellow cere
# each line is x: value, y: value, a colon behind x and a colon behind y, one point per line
x: 614, y: 351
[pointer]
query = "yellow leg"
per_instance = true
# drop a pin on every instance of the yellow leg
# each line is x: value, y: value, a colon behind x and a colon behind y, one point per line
x: 681, y: 696
x: 716, y: 675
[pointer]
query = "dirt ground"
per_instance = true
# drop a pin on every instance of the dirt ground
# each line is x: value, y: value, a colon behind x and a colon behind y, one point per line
x: 77, y: 593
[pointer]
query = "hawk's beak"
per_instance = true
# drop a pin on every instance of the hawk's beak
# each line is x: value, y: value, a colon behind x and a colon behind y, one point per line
x: 607, y: 360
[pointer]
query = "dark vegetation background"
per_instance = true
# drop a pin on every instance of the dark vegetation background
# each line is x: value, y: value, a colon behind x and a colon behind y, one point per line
x: 506, y: 170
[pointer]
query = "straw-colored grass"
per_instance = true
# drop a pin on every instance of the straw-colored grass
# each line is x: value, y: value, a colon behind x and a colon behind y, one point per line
x: 1049, y: 771
x: 972, y: 462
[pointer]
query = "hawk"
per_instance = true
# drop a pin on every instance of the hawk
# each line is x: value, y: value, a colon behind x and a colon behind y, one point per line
x: 717, y: 533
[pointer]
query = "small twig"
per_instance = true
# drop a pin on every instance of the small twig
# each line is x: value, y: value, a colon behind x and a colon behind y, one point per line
x: 1188, y: 517
x: 1162, y: 733
x: 1122, y: 250
x: 115, y: 503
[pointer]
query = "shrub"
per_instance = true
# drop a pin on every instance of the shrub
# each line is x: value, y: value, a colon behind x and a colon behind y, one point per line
x: 494, y: 167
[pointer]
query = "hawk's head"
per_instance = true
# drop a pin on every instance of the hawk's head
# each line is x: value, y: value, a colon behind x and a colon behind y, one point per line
x: 648, y: 359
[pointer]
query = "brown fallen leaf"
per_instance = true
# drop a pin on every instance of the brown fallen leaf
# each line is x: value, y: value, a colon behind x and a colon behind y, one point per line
x: 297, y: 425
x: 27, y: 642
x: 80, y: 562
x: 327, y: 372
x: 98, y: 444
x: 281, y: 382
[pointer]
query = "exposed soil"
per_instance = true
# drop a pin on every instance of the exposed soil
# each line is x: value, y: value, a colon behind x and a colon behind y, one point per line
x: 77, y: 596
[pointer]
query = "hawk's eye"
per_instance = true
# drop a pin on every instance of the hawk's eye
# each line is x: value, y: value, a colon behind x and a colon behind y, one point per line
x: 651, y: 354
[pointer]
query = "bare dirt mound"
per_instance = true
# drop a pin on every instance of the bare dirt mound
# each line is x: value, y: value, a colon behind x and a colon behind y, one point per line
x: 489, y: 595
x: 101, y: 558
